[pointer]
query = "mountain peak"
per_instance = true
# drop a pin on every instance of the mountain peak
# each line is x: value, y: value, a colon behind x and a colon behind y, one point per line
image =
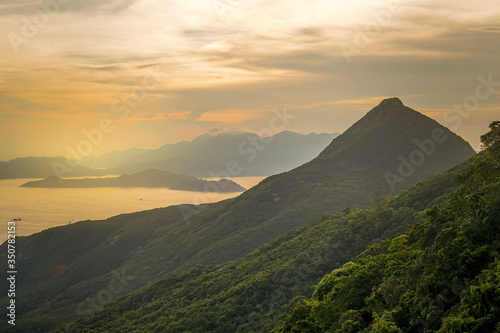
x: 389, y: 110
x: 227, y: 131
x: 391, y: 102
x: 214, y: 130
x: 390, y: 106
x: 391, y: 132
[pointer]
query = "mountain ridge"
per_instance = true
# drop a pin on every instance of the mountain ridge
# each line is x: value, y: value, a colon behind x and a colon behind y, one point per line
x: 199, y: 157
x: 152, y: 244
x: 261, y: 288
x: 41, y: 167
x: 210, y: 152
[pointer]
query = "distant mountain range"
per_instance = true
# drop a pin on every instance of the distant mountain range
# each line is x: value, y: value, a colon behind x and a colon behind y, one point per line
x: 41, y: 167
x: 148, y: 178
x: 391, y: 148
x: 208, y: 155
x: 256, y: 292
x: 424, y: 261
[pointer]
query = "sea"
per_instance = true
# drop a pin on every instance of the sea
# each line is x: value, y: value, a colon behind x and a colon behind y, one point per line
x: 43, y: 208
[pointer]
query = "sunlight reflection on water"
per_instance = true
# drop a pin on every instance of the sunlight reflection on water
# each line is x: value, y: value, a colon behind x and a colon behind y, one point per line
x: 42, y: 208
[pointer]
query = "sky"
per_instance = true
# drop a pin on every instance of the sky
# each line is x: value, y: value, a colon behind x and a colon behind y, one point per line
x: 141, y: 73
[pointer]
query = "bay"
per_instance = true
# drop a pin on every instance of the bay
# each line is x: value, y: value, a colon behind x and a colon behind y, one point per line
x: 43, y: 208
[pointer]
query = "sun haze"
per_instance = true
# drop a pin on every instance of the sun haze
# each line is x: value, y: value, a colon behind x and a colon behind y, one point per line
x: 147, y: 73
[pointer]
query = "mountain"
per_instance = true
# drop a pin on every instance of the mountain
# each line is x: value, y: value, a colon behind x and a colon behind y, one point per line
x: 42, y: 167
x: 148, y: 178
x: 441, y: 276
x: 112, y: 159
x: 429, y: 262
x: 350, y: 172
x: 206, y: 156
x: 209, y: 154
x: 257, y: 291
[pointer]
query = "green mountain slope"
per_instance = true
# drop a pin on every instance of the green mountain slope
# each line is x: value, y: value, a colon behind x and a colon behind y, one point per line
x: 150, y: 244
x: 348, y: 173
x: 254, y: 293
x: 441, y: 276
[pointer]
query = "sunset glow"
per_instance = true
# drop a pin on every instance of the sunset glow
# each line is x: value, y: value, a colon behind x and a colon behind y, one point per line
x: 63, y: 67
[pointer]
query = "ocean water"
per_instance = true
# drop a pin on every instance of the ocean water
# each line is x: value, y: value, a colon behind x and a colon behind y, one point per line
x: 43, y: 208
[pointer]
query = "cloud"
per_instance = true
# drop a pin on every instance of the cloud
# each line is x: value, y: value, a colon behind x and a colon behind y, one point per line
x: 227, y: 69
x: 178, y: 115
x: 157, y: 117
x: 489, y: 29
x: 86, y: 7
x: 15, y: 105
x: 230, y: 117
x: 360, y: 101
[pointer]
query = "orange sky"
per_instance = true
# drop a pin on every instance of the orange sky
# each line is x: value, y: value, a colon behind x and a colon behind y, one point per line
x: 157, y: 72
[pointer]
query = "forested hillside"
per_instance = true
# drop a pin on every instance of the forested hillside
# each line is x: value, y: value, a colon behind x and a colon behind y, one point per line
x: 254, y: 293
x: 62, y: 267
x: 441, y: 276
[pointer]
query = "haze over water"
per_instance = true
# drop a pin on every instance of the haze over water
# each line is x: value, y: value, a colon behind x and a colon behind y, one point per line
x: 43, y: 208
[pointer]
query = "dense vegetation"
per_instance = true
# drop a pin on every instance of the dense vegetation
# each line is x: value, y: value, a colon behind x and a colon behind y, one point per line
x: 255, y: 292
x: 62, y: 267
x: 441, y: 276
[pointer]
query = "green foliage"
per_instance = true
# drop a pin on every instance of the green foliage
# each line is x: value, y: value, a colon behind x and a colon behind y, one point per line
x: 493, y: 136
x: 443, y: 275
x: 151, y: 244
x: 256, y: 292
x: 383, y: 325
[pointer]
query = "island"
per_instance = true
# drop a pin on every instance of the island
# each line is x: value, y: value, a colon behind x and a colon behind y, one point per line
x: 148, y: 178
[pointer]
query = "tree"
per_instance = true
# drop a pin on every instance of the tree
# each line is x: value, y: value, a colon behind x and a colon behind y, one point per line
x: 493, y: 136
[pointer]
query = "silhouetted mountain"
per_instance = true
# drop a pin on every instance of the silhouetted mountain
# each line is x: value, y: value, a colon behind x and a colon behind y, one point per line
x: 206, y: 156
x: 112, y: 159
x: 209, y: 154
x: 148, y: 178
x: 425, y: 261
x: 257, y: 291
x: 42, y: 167
x: 357, y: 165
